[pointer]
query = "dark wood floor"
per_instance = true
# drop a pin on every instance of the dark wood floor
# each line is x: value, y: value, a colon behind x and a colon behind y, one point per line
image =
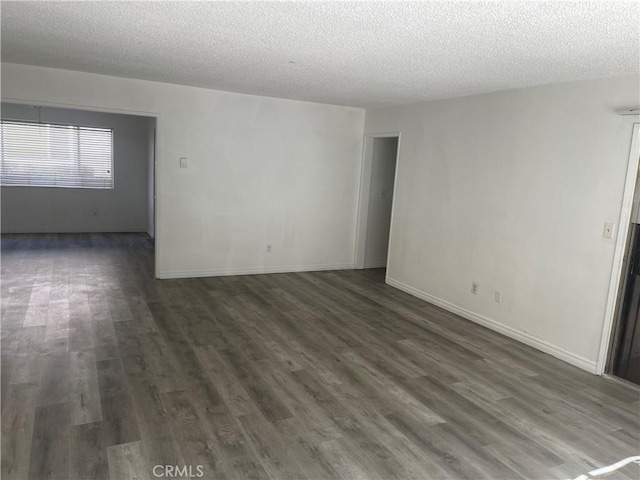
x: 107, y: 372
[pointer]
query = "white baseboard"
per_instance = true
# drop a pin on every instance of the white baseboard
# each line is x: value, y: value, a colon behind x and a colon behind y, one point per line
x: 252, y: 271
x: 81, y: 231
x: 523, y: 337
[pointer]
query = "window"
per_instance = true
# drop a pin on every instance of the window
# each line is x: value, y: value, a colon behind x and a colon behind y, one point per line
x: 47, y: 155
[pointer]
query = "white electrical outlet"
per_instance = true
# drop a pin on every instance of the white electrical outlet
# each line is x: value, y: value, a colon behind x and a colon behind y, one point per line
x: 608, y: 230
x: 498, y: 296
x: 269, y: 248
x: 474, y: 288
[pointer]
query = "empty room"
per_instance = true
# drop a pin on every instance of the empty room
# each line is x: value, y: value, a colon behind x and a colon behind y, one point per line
x: 320, y: 240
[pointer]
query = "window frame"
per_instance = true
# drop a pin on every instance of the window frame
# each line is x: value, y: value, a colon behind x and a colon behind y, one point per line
x: 77, y: 128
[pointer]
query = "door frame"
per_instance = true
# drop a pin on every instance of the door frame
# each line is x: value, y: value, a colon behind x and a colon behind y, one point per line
x: 121, y: 111
x: 624, y: 222
x: 366, y: 165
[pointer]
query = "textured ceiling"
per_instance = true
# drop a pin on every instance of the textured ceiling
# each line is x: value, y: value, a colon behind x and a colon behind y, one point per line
x: 362, y: 54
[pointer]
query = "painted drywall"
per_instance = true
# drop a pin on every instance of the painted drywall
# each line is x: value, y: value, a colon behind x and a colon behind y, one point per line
x: 511, y: 190
x: 260, y: 171
x: 383, y: 168
x: 151, y: 180
x: 58, y: 210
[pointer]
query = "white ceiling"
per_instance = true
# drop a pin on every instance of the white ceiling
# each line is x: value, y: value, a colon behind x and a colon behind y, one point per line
x: 362, y: 54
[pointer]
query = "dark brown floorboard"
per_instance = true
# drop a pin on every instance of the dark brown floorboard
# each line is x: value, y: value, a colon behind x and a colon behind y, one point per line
x: 107, y: 372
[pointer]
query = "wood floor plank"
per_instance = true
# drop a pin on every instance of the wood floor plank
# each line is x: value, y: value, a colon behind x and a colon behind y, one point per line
x: 159, y: 443
x: 85, y: 391
x: 81, y: 335
x: 225, y: 381
x: 126, y: 462
x: 341, y: 460
x: 141, y: 315
x: 197, y: 449
x: 366, y: 450
x: 478, y: 422
x: 54, y: 379
x: 118, y: 414
x: 107, y: 372
x: 309, y: 417
x: 18, y: 415
x: 58, y: 319
x: 120, y: 311
x: 239, y: 460
x: 26, y: 368
x: 301, y: 442
x: 450, y: 459
x: 261, y: 393
x: 272, y: 452
x: 88, y: 452
x: 49, y: 457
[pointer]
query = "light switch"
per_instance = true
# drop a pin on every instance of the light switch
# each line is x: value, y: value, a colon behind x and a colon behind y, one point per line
x: 183, y: 162
x: 609, y: 228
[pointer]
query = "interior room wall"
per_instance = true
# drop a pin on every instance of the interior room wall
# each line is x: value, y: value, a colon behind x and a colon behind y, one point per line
x: 58, y: 210
x: 383, y: 169
x: 151, y: 180
x: 261, y: 171
x: 512, y: 190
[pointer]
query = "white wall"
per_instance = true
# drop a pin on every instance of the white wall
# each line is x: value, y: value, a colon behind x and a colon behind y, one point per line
x: 511, y: 190
x: 151, y: 180
x: 57, y: 210
x: 261, y: 171
x: 383, y: 169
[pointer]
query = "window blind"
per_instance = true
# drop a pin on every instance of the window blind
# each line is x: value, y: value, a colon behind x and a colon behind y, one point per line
x: 49, y: 155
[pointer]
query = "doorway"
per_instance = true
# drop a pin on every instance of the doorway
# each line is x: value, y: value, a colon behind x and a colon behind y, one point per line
x: 106, y: 187
x: 620, y: 344
x: 626, y: 354
x: 624, y: 361
x: 376, y: 199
